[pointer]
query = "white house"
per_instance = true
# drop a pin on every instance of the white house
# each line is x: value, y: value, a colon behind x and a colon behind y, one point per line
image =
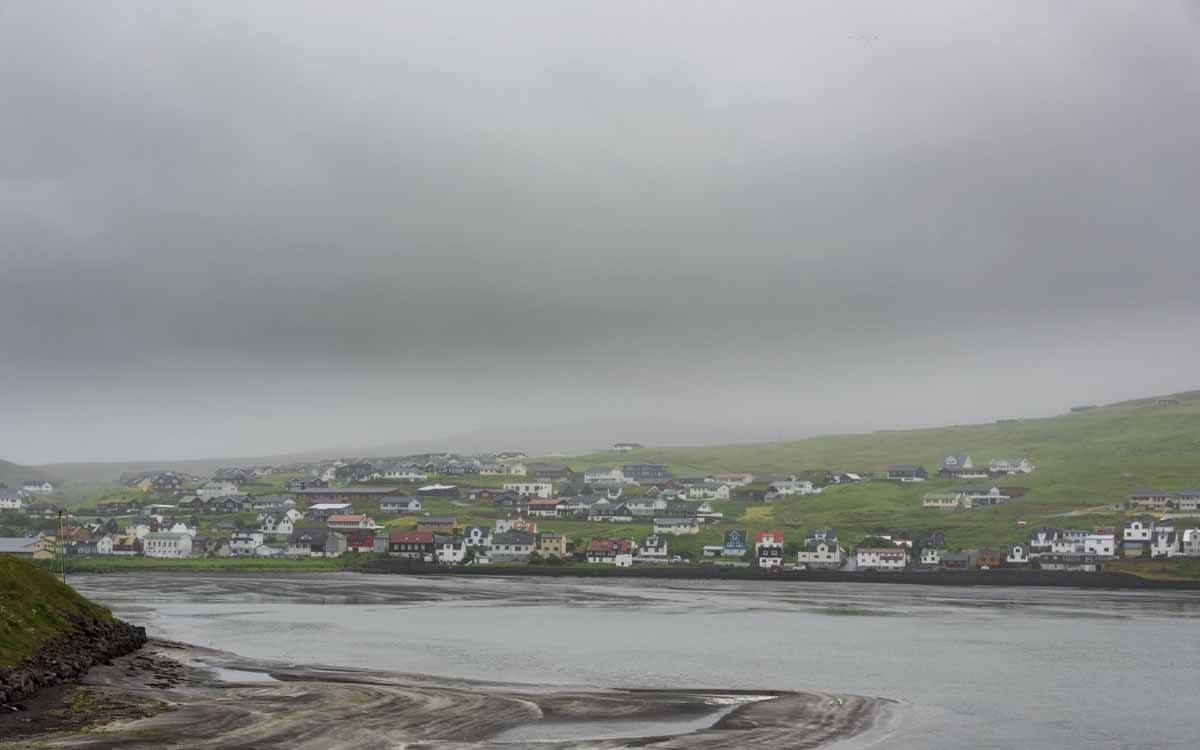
x: 957, y: 461
x: 349, y: 521
x: 943, y: 500
x: 449, y: 550
x: 678, y: 525
x: 1137, y: 531
x: 321, y: 511
x: 604, y: 474
x: 243, y: 543
x: 1101, y: 544
x: 10, y: 500
x: 768, y: 549
x: 1191, y: 543
x: 979, y: 495
x: 931, y: 555
x: 275, y: 524
x: 1010, y: 466
x: 217, y: 488
x: 400, y: 505
x: 709, y: 491
x: 166, y: 544
x: 1018, y: 554
x: 654, y: 547
x: 477, y: 536
x: 822, y: 553
x: 881, y: 558
x: 403, y: 473
x: 789, y: 487
x: 544, y: 507
x: 531, y: 489
x: 516, y: 469
x: 512, y: 545
x: 1188, y: 500
x: 1164, y: 542
x: 37, y: 487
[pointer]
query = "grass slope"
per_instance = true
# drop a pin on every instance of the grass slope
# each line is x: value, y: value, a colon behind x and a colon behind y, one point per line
x: 35, y: 607
x: 14, y: 474
x: 1085, y: 461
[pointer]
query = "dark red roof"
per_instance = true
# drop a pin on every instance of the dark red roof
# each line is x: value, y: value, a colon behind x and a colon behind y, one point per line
x: 607, y: 546
x: 360, y: 537
x: 777, y: 534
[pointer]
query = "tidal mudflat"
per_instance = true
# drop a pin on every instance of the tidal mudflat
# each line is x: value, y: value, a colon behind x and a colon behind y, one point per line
x: 457, y: 662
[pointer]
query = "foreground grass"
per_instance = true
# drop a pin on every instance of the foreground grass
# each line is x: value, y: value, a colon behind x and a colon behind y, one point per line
x: 1169, y: 570
x: 36, y: 607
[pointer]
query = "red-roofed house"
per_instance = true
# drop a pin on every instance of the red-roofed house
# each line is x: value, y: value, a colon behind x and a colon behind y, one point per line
x: 881, y: 558
x: 416, y: 545
x: 607, y: 551
x: 360, y: 540
x: 768, y: 549
x: 545, y: 507
x: 350, y: 521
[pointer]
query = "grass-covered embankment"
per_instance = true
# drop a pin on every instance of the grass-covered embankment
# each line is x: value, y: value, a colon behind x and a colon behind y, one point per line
x: 36, y: 608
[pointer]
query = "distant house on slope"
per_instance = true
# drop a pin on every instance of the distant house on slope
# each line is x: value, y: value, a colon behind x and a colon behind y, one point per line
x: 907, y: 473
x: 1010, y: 466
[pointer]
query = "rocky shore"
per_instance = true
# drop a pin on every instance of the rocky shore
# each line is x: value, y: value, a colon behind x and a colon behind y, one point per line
x: 68, y: 657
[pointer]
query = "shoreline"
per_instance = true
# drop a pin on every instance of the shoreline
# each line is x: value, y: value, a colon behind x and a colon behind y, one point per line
x: 1012, y: 578
x: 1120, y: 580
x: 191, y: 701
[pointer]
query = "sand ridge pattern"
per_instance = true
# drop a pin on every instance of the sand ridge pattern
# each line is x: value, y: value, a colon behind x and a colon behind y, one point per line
x: 331, y: 708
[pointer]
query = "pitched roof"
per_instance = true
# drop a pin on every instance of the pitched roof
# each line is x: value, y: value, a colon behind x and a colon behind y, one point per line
x: 607, y: 546
x: 514, y: 536
x: 347, y: 518
x: 411, y: 537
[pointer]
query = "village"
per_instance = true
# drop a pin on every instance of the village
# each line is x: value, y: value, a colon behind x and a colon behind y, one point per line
x: 539, y: 513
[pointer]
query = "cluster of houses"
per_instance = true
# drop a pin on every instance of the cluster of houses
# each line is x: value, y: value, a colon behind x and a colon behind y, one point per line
x: 20, y: 500
x: 961, y: 466
x: 317, y: 516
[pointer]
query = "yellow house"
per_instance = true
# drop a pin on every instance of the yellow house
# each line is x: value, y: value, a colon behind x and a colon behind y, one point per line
x: 145, y: 485
x: 552, y: 544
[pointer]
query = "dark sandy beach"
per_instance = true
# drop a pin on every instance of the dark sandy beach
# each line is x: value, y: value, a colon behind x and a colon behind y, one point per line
x: 175, y: 695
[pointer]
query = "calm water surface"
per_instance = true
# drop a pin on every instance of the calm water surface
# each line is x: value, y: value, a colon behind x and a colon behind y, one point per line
x: 979, y: 668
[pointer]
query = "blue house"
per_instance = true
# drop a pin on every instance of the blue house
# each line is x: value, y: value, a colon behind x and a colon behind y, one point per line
x: 735, y: 543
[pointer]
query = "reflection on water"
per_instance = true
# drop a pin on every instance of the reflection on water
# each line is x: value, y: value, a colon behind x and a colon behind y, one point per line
x: 985, y: 668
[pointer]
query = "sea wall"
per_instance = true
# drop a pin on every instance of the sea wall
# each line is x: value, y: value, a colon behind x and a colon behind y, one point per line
x: 69, y: 656
x: 1050, y: 578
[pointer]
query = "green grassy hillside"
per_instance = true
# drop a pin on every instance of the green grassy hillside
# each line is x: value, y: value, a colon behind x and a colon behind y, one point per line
x: 1085, y: 461
x: 34, y: 608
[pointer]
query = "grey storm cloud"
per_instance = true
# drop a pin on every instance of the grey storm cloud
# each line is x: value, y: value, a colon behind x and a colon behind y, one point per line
x: 266, y: 227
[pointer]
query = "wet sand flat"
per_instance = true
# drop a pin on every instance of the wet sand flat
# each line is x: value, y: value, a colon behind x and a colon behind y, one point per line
x: 216, y: 699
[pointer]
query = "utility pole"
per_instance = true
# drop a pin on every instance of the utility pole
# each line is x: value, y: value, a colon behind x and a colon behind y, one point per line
x: 60, y: 547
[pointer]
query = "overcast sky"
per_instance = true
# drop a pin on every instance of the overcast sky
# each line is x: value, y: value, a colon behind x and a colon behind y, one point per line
x: 253, y: 228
